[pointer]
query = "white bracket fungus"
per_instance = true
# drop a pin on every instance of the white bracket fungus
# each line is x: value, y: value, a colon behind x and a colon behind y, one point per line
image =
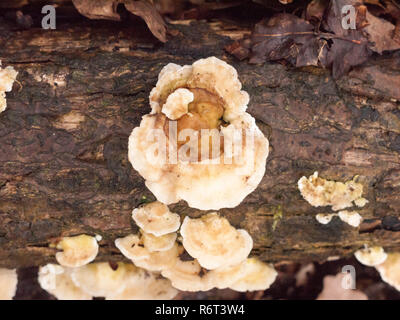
x: 122, y: 282
x: 324, y: 218
x: 214, y: 242
x: 217, y: 257
x: 320, y: 192
x: 352, y: 218
x: 199, y: 110
x: 57, y: 281
x: 371, y: 256
x: 8, y: 283
x: 100, y: 279
x: 161, y: 243
x: 257, y: 276
x: 7, y: 77
x: 143, y: 285
x: 133, y: 248
x: 77, y: 250
x: 155, y: 218
x: 177, y: 103
x: 187, y: 276
x: 390, y: 270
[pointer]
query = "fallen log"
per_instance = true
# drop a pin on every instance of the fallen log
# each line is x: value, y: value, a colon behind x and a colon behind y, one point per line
x: 83, y: 87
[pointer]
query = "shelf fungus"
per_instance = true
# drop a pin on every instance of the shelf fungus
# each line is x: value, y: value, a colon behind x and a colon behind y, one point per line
x: 143, y: 285
x: 57, y: 281
x: 198, y: 144
x: 133, y: 248
x: 7, y: 77
x: 257, y: 276
x: 101, y: 279
x: 118, y: 281
x: 155, y: 218
x: 76, y: 251
x: 320, y: 192
x: 214, y: 242
x: 8, y: 283
x: 390, y: 270
x: 187, y: 275
x: 371, y: 256
x: 352, y: 218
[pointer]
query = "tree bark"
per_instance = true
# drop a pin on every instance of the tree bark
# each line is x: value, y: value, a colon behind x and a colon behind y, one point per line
x: 83, y: 87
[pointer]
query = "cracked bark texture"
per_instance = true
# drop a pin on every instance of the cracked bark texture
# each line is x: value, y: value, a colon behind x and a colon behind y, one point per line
x: 83, y: 87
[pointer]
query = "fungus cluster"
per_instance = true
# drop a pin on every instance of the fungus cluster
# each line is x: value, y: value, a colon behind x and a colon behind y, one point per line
x: 209, y: 254
x: 121, y: 281
x: 321, y: 192
x: 352, y: 218
x: 209, y: 152
x: 387, y: 264
x: 198, y: 143
x: 7, y: 77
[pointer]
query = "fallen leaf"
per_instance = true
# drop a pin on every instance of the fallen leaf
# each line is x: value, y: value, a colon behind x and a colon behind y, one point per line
x: 283, y: 37
x: 345, y: 52
x: 98, y: 9
x: 315, y: 9
x: 381, y: 32
x: 107, y: 9
x: 150, y: 15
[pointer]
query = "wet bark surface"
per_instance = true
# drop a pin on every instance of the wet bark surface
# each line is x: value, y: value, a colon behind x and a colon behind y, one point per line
x: 83, y: 87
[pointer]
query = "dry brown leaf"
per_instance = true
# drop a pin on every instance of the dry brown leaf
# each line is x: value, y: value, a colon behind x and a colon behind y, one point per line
x: 315, y: 9
x: 98, y: 9
x: 381, y: 32
x: 150, y: 15
x: 107, y: 9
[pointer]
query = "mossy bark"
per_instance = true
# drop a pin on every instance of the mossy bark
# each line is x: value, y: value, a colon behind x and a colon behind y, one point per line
x: 83, y: 87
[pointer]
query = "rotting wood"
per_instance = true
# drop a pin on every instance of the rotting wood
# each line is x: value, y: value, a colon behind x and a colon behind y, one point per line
x: 84, y: 87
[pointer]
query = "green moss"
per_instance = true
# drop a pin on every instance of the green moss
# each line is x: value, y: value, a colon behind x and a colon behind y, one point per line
x: 278, y: 214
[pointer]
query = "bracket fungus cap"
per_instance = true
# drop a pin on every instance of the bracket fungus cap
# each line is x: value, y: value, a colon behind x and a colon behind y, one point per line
x: 390, y: 270
x: 214, y: 242
x: 8, y: 283
x: 57, y: 281
x: 77, y: 250
x: 203, y: 97
x: 321, y: 192
x: 257, y: 276
x: 100, y: 279
x: 371, y: 256
x: 7, y: 77
x: 143, y: 285
x: 155, y: 218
